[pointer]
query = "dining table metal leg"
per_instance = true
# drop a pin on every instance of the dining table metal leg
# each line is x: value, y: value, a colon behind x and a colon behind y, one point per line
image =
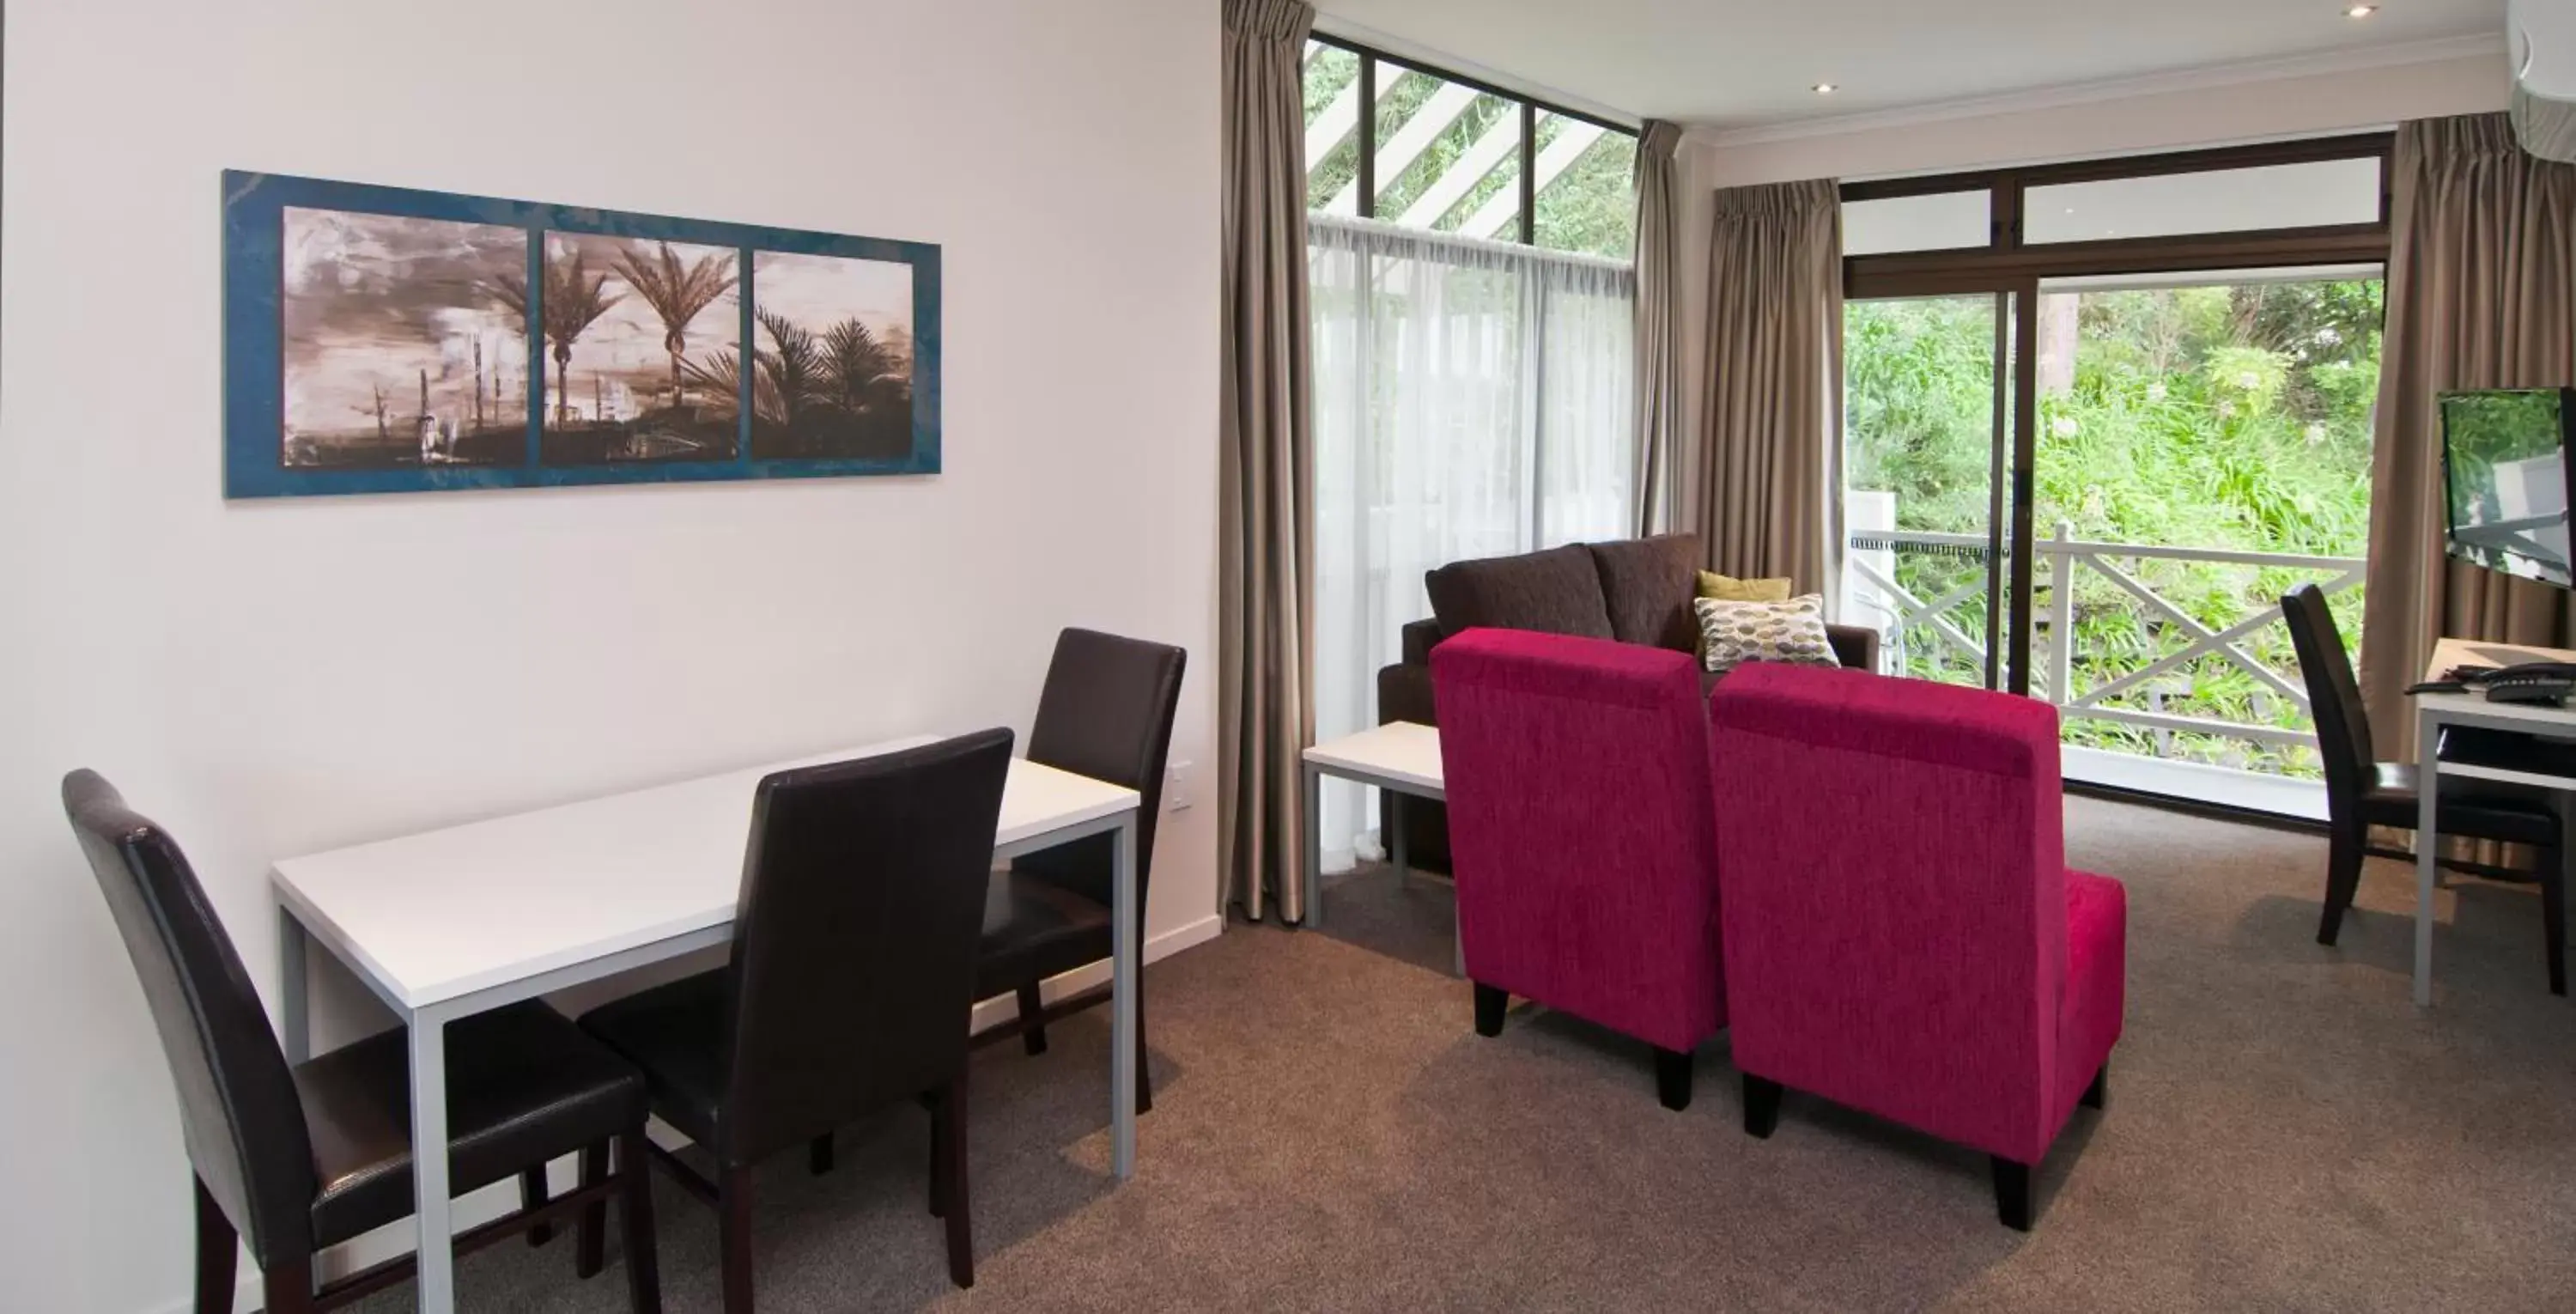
x: 437, y: 1255
x: 2428, y: 844
x: 1125, y: 919
x: 293, y: 985
x: 1310, y: 844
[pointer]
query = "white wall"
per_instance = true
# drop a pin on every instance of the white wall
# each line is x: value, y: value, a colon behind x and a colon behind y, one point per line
x: 2175, y: 112
x: 279, y: 677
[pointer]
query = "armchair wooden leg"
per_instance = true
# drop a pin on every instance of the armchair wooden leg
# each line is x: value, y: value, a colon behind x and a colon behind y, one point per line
x: 2100, y: 1090
x: 533, y: 1195
x: 287, y: 1288
x: 1761, y: 1106
x: 2344, y: 856
x: 1673, y: 1078
x: 733, y: 1237
x: 959, y: 1214
x: 1490, y: 1003
x: 589, y: 1239
x: 635, y: 1224
x: 217, y: 1249
x: 2012, y: 1193
x: 818, y: 1156
x: 1032, y: 1031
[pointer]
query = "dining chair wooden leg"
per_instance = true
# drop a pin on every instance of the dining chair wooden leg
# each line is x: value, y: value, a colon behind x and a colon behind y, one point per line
x: 635, y: 1224
x: 589, y: 1241
x: 287, y: 1288
x: 533, y: 1195
x: 2553, y: 913
x: 818, y: 1156
x: 938, y: 1153
x: 733, y: 1231
x: 952, y: 1169
x: 1032, y: 1030
x: 217, y: 1250
x: 1144, y: 1066
x: 2344, y: 856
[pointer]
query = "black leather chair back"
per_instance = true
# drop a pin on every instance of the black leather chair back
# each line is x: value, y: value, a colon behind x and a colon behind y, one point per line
x: 2343, y: 728
x: 238, y: 1110
x: 1106, y: 713
x: 854, y: 951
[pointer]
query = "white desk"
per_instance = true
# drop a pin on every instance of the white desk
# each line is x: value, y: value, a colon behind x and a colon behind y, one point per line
x: 454, y: 922
x: 1401, y: 756
x: 2435, y: 711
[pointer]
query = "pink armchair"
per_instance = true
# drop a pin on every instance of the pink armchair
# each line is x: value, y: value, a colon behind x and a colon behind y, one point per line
x: 1583, y: 836
x: 1902, y: 935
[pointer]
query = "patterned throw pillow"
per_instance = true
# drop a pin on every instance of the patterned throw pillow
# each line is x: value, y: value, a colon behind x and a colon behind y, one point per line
x: 1791, y: 631
x: 1728, y: 588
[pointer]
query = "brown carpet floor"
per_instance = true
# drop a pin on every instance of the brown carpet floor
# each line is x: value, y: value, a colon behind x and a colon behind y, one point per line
x: 2285, y: 1131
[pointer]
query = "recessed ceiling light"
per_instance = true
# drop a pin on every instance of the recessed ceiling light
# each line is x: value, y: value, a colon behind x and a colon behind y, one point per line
x: 1824, y: 88
x: 2360, y: 11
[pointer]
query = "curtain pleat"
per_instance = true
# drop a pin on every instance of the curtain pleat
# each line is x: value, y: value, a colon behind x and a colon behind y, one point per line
x: 1658, y: 331
x: 2481, y: 294
x: 1266, y: 514
x: 1767, y: 466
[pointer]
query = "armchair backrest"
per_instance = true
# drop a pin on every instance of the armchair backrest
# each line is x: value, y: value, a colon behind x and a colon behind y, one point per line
x: 238, y: 1109
x: 1582, y: 828
x: 854, y: 950
x: 1895, y: 922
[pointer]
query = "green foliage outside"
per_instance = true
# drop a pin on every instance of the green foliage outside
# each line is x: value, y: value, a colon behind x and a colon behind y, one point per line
x: 1590, y: 206
x: 2203, y: 417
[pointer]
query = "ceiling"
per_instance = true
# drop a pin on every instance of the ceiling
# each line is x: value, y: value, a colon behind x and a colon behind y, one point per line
x: 1740, y: 63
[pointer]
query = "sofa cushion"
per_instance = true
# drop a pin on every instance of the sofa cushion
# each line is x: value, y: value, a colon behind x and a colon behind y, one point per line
x: 1727, y: 588
x: 1552, y: 592
x: 1739, y: 632
x: 1647, y: 585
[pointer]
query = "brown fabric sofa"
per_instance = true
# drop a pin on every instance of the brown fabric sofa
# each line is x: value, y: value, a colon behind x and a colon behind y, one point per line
x: 1634, y: 591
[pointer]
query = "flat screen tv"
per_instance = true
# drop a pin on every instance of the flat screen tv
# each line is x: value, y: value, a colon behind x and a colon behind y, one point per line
x: 2505, y: 479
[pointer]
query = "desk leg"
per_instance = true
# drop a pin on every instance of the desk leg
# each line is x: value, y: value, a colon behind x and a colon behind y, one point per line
x: 294, y: 986
x: 1312, y: 843
x: 437, y: 1253
x: 2428, y: 732
x: 1124, y: 920
x: 1395, y: 836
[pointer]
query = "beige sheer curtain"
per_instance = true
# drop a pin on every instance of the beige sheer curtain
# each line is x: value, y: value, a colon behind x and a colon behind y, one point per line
x: 2481, y: 294
x: 1762, y: 499
x: 1659, y: 343
x: 1266, y: 607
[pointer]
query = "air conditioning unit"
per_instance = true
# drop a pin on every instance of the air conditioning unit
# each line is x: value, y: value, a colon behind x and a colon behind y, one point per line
x: 2543, y: 33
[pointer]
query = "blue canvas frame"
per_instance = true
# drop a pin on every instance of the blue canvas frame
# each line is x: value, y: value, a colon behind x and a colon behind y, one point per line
x: 254, y: 348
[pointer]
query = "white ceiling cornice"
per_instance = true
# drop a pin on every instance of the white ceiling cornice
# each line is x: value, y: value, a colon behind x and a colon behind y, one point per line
x: 2151, y: 84
x: 1328, y: 25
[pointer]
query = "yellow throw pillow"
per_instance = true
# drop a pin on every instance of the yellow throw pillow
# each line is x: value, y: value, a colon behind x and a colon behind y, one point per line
x: 1727, y: 588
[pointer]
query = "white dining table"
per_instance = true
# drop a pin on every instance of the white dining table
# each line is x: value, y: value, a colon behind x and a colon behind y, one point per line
x: 449, y: 923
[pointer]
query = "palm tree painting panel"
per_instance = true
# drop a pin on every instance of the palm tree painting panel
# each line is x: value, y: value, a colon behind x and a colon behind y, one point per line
x: 382, y: 339
x: 397, y: 353
x: 620, y: 316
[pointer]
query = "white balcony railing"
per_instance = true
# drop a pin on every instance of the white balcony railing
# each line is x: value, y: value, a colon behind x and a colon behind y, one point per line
x: 1919, y: 631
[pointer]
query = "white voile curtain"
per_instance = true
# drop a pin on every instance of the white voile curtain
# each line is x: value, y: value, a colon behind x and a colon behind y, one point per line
x: 1471, y: 399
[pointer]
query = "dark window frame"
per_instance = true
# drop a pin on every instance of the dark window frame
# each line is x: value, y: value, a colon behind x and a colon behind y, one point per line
x: 1365, y: 132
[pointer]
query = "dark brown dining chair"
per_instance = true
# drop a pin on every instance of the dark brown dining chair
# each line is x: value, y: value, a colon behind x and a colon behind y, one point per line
x: 1106, y: 712
x: 295, y: 1159
x: 2362, y: 792
x: 852, y: 980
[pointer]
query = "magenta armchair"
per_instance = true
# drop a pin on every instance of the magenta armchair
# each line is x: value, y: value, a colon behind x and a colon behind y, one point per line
x: 1902, y: 934
x: 1583, y: 837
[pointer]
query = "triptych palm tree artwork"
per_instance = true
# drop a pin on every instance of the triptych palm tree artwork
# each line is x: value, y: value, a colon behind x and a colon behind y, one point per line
x: 409, y: 342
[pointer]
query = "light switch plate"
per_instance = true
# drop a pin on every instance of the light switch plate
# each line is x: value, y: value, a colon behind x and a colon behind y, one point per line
x: 1176, y: 786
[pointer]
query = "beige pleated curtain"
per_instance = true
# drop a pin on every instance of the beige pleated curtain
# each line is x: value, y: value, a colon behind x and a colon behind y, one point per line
x: 2481, y: 294
x: 1266, y: 610
x: 1658, y: 341
x: 1761, y: 495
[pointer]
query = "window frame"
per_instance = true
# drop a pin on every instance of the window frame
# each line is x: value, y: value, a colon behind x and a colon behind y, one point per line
x: 1364, y: 176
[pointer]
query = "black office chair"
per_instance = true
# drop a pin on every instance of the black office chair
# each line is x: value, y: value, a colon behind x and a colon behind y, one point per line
x: 1106, y: 713
x: 851, y: 985
x: 2362, y: 792
x: 296, y: 1159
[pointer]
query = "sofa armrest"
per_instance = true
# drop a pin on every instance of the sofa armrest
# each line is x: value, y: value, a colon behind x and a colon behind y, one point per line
x: 1856, y: 646
x: 1419, y: 636
x: 1404, y: 693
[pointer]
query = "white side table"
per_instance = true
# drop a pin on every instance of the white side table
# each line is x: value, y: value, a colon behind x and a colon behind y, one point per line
x: 1400, y: 756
